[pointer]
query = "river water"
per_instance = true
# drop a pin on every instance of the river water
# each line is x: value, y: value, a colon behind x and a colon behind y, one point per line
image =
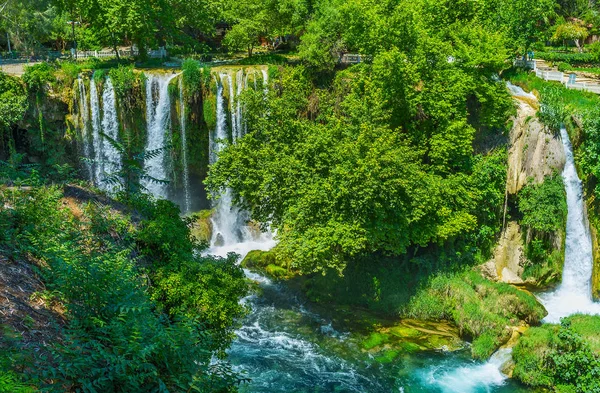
x: 287, y: 345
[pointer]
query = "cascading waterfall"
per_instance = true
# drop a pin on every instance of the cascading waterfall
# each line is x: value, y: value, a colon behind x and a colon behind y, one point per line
x: 230, y: 231
x: 265, y: 75
x: 186, y: 172
x: 226, y: 229
x: 98, y: 167
x: 111, y: 157
x: 158, y: 120
x: 449, y: 378
x: 574, y: 295
x: 84, y: 117
x: 239, y: 78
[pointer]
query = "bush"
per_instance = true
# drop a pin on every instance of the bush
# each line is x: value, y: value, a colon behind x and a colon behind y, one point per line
x: 192, y: 79
x: 100, y: 265
x: 544, y: 206
x: 564, y: 67
x: 37, y: 76
x: 594, y: 50
x: 571, y: 58
x: 560, y: 355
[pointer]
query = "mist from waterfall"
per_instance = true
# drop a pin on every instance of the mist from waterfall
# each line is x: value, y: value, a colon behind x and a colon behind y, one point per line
x: 158, y: 121
x: 574, y: 295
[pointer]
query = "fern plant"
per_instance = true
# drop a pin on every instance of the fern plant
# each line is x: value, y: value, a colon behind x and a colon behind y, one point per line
x: 128, y: 178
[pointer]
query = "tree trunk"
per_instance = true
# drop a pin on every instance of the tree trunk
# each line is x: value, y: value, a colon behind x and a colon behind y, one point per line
x: 250, y: 47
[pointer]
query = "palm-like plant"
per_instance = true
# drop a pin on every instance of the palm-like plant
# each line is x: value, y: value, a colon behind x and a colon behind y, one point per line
x: 128, y: 178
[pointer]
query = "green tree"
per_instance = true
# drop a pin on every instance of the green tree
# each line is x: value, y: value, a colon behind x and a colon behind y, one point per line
x: 571, y: 31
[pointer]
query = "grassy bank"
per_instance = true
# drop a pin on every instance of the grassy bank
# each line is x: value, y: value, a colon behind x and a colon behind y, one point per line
x: 564, y: 358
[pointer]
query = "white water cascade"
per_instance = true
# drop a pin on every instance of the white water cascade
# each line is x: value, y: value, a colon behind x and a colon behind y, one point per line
x: 96, y: 128
x: 230, y: 232
x: 110, y: 126
x: 84, y: 117
x: 186, y: 171
x: 158, y: 120
x: 469, y: 379
x: 574, y: 295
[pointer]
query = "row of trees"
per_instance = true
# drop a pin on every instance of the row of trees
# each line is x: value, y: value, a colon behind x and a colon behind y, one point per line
x: 192, y: 24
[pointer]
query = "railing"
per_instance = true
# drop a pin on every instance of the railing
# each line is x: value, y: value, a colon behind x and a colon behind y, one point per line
x: 550, y: 75
x: 348, y: 58
x: 528, y: 64
x: 20, y: 57
x: 592, y: 88
x: 159, y: 53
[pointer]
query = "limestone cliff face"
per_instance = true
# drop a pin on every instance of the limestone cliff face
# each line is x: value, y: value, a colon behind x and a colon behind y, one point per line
x: 534, y: 152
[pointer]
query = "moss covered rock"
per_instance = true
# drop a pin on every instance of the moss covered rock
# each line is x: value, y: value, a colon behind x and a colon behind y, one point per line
x: 483, y: 311
x: 409, y: 336
x: 202, y: 225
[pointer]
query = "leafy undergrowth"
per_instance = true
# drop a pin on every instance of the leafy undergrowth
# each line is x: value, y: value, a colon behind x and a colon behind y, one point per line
x: 543, y: 210
x: 143, y: 311
x: 563, y: 357
x: 482, y: 310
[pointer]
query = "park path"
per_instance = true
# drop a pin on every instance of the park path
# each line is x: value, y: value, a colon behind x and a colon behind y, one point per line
x: 16, y: 69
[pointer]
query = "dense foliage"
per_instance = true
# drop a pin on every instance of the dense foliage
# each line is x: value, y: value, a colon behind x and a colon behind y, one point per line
x: 144, y: 312
x: 382, y: 160
x: 564, y: 357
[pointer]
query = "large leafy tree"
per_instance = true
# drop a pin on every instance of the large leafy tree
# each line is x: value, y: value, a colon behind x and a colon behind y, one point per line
x: 271, y: 20
x: 28, y: 23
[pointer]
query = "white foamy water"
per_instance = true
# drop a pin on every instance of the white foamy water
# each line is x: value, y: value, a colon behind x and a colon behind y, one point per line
x: 158, y: 120
x: 574, y: 295
x: 469, y: 379
x: 516, y: 91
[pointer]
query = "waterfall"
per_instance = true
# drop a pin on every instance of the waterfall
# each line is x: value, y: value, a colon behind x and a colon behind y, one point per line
x: 239, y: 78
x: 574, y: 293
x: 475, y: 378
x: 225, y: 220
x: 111, y: 157
x: 158, y: 121
x: 265, y: 75
x: 96, y: 141
x: 232, y: 110
x: 186, y: 172
x: 230, y: 232
x: 84, y: 117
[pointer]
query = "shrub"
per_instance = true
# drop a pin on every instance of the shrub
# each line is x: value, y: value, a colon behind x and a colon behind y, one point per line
x: 192, y: 79
x: 571, y: 58
x: 544, y: 206
x: 118, y: 338
x: 564, y: 67
x: 564, y: 355
x: 37, y: 76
